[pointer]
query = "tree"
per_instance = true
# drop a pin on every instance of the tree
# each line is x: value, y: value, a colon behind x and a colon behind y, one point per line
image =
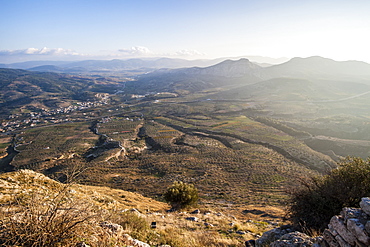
x: 317, y: 200
x: 181, y: 195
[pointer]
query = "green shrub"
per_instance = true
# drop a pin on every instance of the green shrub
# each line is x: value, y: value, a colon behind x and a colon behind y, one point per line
x: 320, y: 198
x: 181, y: 195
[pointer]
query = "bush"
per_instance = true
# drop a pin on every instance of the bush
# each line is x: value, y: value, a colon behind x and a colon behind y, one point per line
x: 317, y: 200
x: 181, y: 195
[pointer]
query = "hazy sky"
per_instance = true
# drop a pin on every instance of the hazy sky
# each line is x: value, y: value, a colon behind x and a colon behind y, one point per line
x: 79, y: 29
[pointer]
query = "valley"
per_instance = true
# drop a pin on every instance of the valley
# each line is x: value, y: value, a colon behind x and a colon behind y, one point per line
x: 184, y: 123
x: 241, y: 137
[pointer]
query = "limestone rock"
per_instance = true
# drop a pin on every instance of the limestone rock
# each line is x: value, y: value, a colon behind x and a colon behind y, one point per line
x: 358, y: 230
x: 342, y: 230
x: 367, y: 227
x: 138, y: 243
x: 134, y: 242
x: 329, y: 237
x: 349, y: 213
x: 349, y: 229
x: 365, y: 205
x: 273, y: 235
x: 341, y: 241
x: 293, y: 239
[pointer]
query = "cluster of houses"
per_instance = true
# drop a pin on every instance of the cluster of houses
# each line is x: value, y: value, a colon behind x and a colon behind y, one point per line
x: 23, y: 120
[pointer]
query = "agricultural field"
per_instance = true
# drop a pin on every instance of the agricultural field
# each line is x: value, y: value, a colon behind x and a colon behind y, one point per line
x: 123, y: 130
x: 250, y: 174
x: 230, y: 150
x: 40, y: 147
x: 5, y: 141
x: 231, y: 158
x: 248, y: 130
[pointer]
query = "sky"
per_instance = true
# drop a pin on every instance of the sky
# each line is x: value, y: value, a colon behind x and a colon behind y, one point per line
x: 190, y: 29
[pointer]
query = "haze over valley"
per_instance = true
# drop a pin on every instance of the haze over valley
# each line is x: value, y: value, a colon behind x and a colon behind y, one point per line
x: 247, y: 103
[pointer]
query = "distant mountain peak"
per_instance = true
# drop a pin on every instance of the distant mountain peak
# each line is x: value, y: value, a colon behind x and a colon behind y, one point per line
x: 227, y: 68
x: 319, y: 67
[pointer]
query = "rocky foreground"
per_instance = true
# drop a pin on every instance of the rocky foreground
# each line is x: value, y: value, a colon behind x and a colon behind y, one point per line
x: 349, y: 229
x: 35, y: 208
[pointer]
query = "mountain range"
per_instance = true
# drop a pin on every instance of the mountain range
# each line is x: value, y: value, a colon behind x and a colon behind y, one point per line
x: 229, y: 73
x: 140, y: 64
x: 313, y: 78
x: 108, y: 65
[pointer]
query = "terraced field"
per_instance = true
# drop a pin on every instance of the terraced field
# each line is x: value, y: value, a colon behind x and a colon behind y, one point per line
x: 231, y: 158
x: 39, y: 147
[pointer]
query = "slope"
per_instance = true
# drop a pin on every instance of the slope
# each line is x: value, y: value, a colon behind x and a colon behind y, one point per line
x: 21, y: 89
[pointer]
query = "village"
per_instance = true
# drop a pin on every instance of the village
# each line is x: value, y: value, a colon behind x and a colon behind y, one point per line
x: 20, y: 121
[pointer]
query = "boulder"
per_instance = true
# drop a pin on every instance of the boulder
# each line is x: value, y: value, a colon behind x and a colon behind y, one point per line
x: 294, y: 239
x: 273, y: 235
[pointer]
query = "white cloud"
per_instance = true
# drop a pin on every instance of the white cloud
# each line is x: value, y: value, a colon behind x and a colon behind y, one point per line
x: 42, y: 51
x: 189, y: 53
x: 136, y: 51
x: 144, y: 51
x: 45, y: 53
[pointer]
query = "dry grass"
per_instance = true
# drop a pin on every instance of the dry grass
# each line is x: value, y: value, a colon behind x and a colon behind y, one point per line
x: 38, y: 211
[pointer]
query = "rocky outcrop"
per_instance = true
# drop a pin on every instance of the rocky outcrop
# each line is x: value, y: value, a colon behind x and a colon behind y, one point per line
x: 294, y: 239
x: 349, y: 229
x: 273, y: 235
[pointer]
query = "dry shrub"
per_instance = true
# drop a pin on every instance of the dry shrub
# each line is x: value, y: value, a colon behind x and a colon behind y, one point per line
x: 136, y: 225
x: 317, y: 200
x: 42, y: 217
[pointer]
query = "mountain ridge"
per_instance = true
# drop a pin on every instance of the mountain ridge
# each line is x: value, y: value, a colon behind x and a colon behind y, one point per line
x: 319, y: 67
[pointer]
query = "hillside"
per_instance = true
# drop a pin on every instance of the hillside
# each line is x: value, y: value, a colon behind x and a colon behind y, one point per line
x: 52, y: 214
x: 320, y: 68
x: 312, y: 94
x: 24, y: 91
x: 238, y: 135
x: 241, y: 139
